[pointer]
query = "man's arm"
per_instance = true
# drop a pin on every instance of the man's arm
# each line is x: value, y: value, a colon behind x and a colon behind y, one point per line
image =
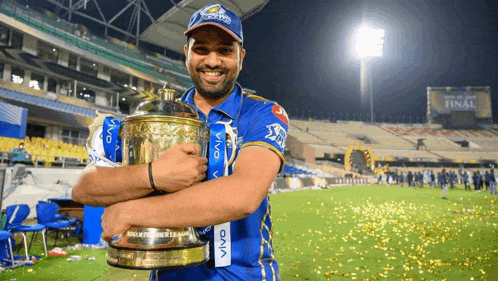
x: 177, y: 168
x: 208, y: 203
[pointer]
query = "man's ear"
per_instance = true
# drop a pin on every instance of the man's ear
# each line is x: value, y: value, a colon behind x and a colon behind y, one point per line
x: 242, y: 55
x: 185, y: 50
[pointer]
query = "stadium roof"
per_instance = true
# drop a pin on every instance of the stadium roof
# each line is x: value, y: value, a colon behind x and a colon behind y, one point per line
x: 167, y: 31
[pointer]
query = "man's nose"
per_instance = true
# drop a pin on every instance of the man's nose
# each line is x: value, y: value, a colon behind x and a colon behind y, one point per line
x: 212, y: 59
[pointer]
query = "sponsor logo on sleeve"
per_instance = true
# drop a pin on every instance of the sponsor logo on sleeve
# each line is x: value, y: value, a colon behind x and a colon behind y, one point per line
x: 277, y: 134
x: 280, y: 113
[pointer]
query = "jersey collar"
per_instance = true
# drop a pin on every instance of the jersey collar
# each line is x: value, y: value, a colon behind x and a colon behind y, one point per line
x: 230, y: 106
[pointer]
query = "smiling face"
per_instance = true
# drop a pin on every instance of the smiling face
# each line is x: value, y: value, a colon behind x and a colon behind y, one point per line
x: 214, y: 60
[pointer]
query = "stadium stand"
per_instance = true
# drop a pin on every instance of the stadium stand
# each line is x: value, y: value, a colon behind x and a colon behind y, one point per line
x: 398, y: 145
x: 46, y: 150
x: 46, y: 103
x: 303, y: 136
x: 440, y: 144
x: 92, y: 43
x: 427, y: 132
x: 483, y: 145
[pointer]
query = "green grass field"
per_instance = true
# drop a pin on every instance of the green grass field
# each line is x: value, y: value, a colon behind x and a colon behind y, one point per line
x: 350, y: 233
x: 386, y: 232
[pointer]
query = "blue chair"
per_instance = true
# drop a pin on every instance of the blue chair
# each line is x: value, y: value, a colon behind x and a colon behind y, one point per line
x: 46, y: 214
x: 6, y: 236
x: 16, y: 214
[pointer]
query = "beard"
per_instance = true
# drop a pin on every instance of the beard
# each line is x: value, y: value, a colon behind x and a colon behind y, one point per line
x: 212, y: 91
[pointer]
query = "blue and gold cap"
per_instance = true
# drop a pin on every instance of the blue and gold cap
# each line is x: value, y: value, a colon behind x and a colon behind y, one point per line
x: 217, y: 15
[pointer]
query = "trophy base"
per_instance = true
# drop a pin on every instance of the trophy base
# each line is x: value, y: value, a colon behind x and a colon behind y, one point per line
x: 148, y: 259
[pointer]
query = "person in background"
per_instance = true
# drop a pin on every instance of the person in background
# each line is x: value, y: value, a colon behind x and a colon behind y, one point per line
x: 432, y: 183
x: 19, y: 154
x: 401, y: 179
x: 452, y: 179
x: 481, y: 180
x: 487, y: 179
x: 409, y: 177
x: 444, y: 182
x: 492, y: 183
x: 465, y: 177
x: 475, y: 180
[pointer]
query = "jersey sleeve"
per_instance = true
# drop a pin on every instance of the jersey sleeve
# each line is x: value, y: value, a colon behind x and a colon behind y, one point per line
x: 268, y: 128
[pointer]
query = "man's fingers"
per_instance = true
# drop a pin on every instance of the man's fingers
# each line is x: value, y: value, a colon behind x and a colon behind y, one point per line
x: 203, y: 169
x: 106, y: 237
x: 200, y: 177
x: 188, y: 148
x: 202, y: 161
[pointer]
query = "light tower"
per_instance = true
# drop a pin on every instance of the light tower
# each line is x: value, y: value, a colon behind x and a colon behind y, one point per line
x: 368, y: 44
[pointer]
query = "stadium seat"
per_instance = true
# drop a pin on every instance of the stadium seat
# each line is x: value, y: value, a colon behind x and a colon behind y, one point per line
x: 46, y: 214
x: 16, y: 214
x: 6, y: 243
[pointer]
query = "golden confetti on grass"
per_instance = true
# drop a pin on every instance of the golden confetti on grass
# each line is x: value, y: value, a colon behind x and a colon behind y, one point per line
x: 387, y: 232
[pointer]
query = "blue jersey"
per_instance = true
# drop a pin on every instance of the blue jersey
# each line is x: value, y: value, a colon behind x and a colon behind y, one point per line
x: 444, y: 178
x: 256, y: 122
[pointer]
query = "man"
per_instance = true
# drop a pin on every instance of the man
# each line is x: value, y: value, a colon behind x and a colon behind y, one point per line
x: 420, y: 179
x: 409, y: 177
x: 481, y: 180
x: 444, y: 182
x: 401, y: 179
x: 465, y: 177
x: 487, y: 179
x: 19, y: 154
x: 452, y: 179
x: 214, y: 56
x: 475, y: 180
x: 492, y: 182
x: 433, y: 180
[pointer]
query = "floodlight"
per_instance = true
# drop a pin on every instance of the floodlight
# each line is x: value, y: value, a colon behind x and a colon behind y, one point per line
x: 369, y: 42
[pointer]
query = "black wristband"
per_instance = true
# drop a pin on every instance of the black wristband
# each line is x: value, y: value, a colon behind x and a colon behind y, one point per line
x: 151, y: 179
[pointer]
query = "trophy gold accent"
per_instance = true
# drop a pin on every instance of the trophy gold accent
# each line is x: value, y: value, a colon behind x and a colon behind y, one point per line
x: 155, y: 127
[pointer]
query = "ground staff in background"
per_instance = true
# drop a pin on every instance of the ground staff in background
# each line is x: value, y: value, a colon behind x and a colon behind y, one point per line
x: 444, y: 182
x: 475, y: 180
x: 433, y: 180
x: 409, y: 177
x: 452, y: 179
x: 481, y: 180
x: 465, y: 177
x: 492, y: 183
x: 214, y: 57
x: 487, y: 179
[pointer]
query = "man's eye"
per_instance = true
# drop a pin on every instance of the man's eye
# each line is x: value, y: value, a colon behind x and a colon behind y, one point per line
x: 226, y: 50
x: 200, y: 49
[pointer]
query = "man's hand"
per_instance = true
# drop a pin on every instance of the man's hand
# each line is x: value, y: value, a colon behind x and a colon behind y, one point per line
x: 115, y: 220
x: 178, y: 168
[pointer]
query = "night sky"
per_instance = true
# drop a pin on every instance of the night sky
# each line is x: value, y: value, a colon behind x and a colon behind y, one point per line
x: 298, y: 53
